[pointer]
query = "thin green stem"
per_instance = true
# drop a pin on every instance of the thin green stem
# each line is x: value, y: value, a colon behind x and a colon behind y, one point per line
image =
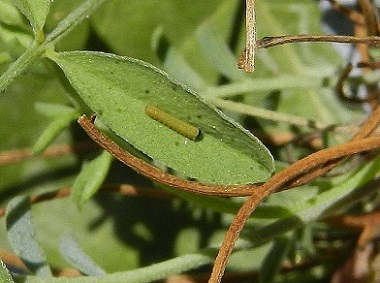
x: 268, y: 114
x: 74, y: 18
x: 37, y: 49
x: 20, y: 65
x: 265, y: 85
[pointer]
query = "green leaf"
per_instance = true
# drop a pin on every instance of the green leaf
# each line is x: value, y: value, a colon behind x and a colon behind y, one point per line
x: 53, y: 110
x: 82, y: 12
x: 10, y: 15
x: 73, y: 253
x: 77, y: 38
x: 35, y: 11
x: 118, y: 89
x: 150, y: 273
x: 272, y: 262
x: 5, y: 276
x: 22, y: 236
x: 91, y: 178
x: 218, y: 54
x: 174, y: 63
x: 178, y: 18
x: 21, y: 126
x: 36, y: 49
x: 53, y: 130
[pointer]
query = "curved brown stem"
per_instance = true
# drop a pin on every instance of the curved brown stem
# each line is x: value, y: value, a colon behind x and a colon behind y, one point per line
x: 297, y: 169
x: 307, y: 168
x: 146, y: 169
x: 365, y: 130
x: 294, y: 176
x: 353, y: 15
x: 339, y: 87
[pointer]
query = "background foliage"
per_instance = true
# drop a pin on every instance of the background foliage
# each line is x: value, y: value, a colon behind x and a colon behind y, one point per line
x: 197, y: 43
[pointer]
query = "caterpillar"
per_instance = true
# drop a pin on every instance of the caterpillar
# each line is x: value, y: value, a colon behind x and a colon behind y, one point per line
x: 181, y: 127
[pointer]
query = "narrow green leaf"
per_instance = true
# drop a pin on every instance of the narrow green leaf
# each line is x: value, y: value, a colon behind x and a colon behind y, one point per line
x: 22, y: 236
x: 150, y: 273
x: 82, y: 12
x: 10, y: 15
x: 272, y: 262
x: 91, y: 178
x: 118, y: 89
x: 74, y: 255
x: 174, y: 63
x: 5, y: 57
x: 218, y: 54
x: 53, y: 110
x: 5, y: 276
x: 178, y: 18
x: 35, y: 11
x: 53, y: 130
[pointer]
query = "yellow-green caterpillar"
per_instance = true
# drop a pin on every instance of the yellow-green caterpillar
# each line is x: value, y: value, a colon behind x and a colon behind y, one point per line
x: 172, y: 122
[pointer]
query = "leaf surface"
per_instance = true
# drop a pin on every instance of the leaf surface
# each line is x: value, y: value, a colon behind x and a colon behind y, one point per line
x: 34, y: 11
x: 74, y: 254
x: 91, y: 177
x: 118, y: 89
x: 5, y: 276
x: 22, y: 236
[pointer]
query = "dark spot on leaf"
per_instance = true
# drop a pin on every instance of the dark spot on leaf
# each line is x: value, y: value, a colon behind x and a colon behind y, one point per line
x: 176, y: 143
x: 147, y: 91
x: 199, y: 116
x: 312, y: 124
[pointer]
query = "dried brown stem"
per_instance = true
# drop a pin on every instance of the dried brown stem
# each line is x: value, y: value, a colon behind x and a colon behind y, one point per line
x: 122, y: 189
x: 368, y: 223
x: 372, y: 65
x: 131, y: 190
x: 295, y: 175
x: 370, y: 19
x: 289, y: 174
x: 369, y: 126
x: 362, y: 49
x: 19, y: 155
x: 339, y: 87
x: 366, y: 130
x: 156, y: 174
x: 370, y: 28
x: 279, y: 40
x: 247, y: 57
x: 353, y: 15
x: 299, y: 173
